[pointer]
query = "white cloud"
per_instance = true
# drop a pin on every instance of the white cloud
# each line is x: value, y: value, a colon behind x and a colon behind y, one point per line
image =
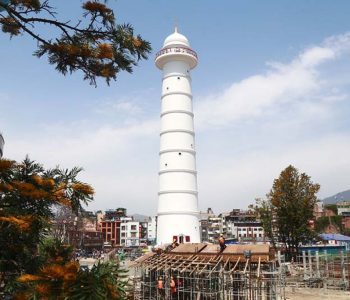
x: 298, y: 80
x: 119, y: 107
x: 115, y: 159
x: 315, y: 56
x: 242, y: 178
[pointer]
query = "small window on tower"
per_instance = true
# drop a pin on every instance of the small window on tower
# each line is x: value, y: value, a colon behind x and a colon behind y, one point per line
x: 191, y: 145
x: 166, y: 165
x: 178, y: 77
x: 167, y: 87
x: 180, y: 153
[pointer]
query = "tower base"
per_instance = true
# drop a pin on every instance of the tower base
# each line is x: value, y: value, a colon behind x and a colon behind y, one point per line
x: 183, y: 228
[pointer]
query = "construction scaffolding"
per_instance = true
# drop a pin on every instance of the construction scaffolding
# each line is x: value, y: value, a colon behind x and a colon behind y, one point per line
x: 315, y: 269
x: 201, y: 271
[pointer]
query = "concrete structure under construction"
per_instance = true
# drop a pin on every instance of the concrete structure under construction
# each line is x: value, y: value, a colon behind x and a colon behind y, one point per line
x: 202, y: 271
x: 178, y: 201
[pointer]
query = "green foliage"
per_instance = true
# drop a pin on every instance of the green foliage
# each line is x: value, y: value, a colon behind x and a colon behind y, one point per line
x: 321, y: 224
x: 96, y: 45
x: 346, y: 231
x: 332, y: 207
x: 52, y: 250
x: 34, y: 265
x: 264, y: 211
x: 103, y: 281
x: 337, y: 220
x: 65, y: 280
x: 289, y: 208
x: 28, y: 194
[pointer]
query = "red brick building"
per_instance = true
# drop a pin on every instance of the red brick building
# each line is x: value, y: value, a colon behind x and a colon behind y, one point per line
x: 111, y: 231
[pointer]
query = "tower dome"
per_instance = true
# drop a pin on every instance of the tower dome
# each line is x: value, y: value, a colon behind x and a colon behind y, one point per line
x: 176, y: 47
x: 176, y: 39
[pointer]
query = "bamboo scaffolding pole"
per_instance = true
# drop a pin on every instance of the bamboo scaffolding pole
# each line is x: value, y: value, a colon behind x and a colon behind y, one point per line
x: 215, y: 266
x: 235, y: 266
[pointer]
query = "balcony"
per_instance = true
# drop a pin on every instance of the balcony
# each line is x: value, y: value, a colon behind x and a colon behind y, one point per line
x: 176, y: 50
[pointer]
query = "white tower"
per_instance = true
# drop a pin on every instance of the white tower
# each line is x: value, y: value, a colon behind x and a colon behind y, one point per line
x: 178, y: 202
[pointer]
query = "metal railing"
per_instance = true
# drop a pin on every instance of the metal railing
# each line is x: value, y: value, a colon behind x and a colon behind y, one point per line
x: 176, y: 50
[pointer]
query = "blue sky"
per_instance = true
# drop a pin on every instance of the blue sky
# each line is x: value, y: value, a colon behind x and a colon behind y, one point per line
x: 271, y: 89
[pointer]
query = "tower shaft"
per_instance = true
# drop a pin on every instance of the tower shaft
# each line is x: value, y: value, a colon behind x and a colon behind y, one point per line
x: 178, y: 201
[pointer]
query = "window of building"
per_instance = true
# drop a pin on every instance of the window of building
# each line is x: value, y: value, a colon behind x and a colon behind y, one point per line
x: 133, y: 234
x: 133, y: 227
x: 123, y: 227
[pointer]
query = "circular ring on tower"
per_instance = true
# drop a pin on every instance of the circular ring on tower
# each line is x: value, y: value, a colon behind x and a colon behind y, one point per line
x: 180, y: 212
x: 176, y: 53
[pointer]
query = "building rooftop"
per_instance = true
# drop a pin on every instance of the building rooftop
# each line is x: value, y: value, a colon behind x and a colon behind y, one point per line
x: 209, y: 252
x: 334, y: 237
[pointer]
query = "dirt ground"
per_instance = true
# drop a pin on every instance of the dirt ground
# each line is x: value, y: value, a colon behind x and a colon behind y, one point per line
x: 315, y: 294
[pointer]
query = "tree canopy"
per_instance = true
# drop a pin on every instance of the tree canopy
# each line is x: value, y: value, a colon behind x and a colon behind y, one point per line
x: 289, y: 208
x: 94, y: 44
x: 34, y: 265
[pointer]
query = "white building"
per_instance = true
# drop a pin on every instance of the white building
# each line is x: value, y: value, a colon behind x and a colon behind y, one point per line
x: 178, y: 202
x: 129, y: 233
x: 152, y: 229
x: 246, y: 231
x: 343, y: 207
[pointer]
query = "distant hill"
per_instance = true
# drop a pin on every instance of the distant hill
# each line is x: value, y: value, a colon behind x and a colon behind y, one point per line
x: 342, y: 196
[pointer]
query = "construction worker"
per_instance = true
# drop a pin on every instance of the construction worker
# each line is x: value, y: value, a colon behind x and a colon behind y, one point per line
x: 172, y: 287
x: 160, y: 288
x: 222, y: 242
x: 174, y: 244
